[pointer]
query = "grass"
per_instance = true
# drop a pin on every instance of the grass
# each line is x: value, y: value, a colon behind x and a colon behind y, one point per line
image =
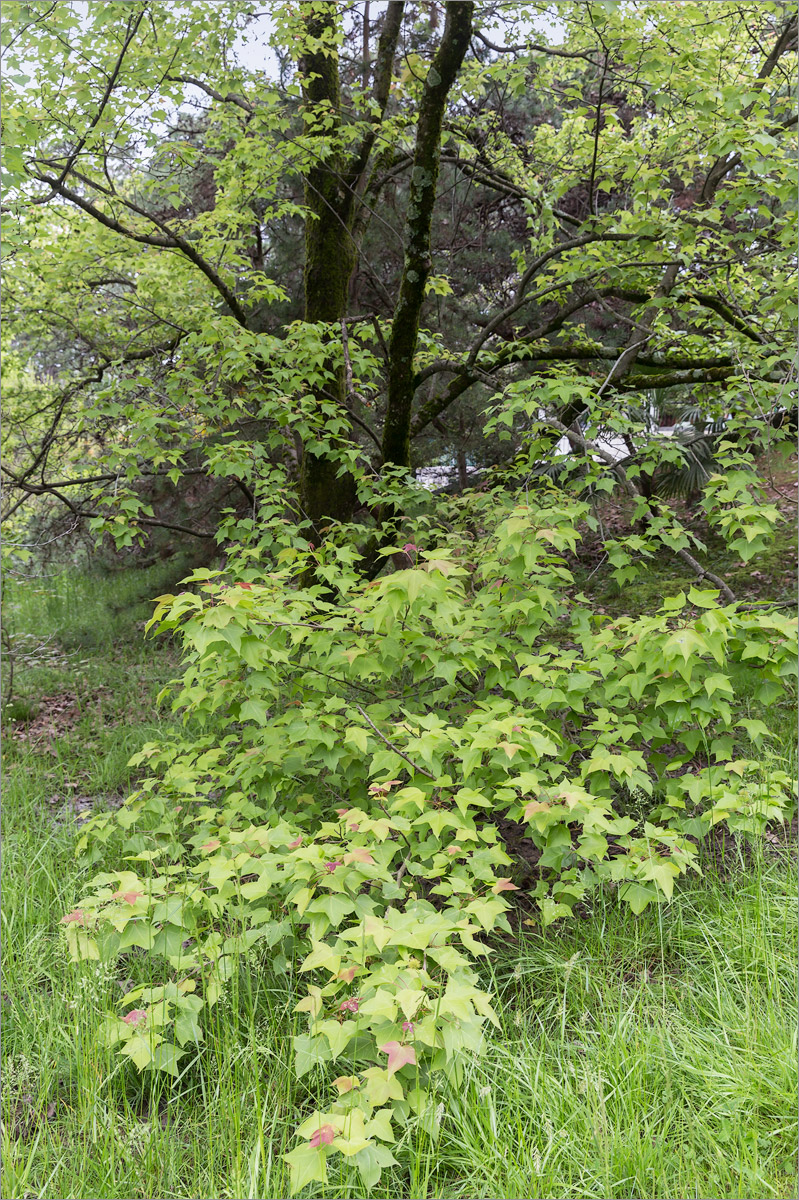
x: 650, y: 1056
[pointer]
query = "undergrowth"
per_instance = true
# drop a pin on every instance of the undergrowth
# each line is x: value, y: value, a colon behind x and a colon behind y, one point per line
x: 650, y: 1055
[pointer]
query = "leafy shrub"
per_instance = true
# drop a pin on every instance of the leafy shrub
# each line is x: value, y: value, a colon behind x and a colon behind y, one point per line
x: 354, y: 748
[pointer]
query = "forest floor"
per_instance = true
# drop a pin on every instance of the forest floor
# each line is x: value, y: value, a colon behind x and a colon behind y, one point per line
x: 650, y: 1056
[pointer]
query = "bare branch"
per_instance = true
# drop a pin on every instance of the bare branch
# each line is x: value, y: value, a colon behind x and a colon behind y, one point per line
x: 230, y: 98
x: 419, y: 770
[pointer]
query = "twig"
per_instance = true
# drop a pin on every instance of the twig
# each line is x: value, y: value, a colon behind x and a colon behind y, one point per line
x: 402, y: 870
x: 391, y: 746
x: 592, y: 201
x: 350, y: 392
x: 345, y: 345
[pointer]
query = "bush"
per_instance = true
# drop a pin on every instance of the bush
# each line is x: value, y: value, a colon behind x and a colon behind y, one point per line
x: 357, y: 748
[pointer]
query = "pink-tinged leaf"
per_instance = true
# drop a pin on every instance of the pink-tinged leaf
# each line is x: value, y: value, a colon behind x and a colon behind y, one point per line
x: 504, y: 885
x: 353, y: 828
x: 135, y: 1016
x: 293, y: 845
x: 323, y: 1136
x: 510, y: 748
x: 247, y: 586
x: 128, y: 897
x: 342, y: 812
x: 398, y: 1056
x: 454, y: 848
x: 380, y: 789
x: 345, y: 1083
x: 214, y: 844
x: 359, y: 854
x: 330, y: 867
x: 78, y: 917
x: 533, y: 807
x: 347, y: 974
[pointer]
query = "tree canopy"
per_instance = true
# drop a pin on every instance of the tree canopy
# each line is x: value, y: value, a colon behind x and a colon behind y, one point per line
x: 247, y: 259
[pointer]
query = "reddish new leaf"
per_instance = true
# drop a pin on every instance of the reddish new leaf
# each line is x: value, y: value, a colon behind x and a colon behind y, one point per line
x: 135, y: 1016
x: 77, y: 917
x: 322, y: 1136
x: 398, y: 1056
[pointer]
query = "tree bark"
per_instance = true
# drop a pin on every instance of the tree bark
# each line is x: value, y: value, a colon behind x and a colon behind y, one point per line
x: 331, y: 194
x: 405, y: 327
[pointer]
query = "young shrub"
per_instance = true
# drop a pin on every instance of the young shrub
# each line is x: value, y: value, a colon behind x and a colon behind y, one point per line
x: 353, y: 763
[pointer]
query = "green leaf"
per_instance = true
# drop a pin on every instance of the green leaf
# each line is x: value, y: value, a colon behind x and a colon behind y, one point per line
x: 139, y: 1048
x: 166, y: 1058
x: 638, y: 896
x: 308, y: 1053
x: 357, y: 737
x: 306, y: 1165
x: 371, y: 1162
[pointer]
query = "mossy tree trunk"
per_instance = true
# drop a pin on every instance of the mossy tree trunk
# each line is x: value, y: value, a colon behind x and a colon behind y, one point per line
x: 332, y: 192
x: 405, y: 326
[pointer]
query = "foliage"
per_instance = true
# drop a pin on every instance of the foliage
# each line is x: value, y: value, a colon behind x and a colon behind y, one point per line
x: 343, y: 806
x: 610, y: 1024
x: 623, y: 208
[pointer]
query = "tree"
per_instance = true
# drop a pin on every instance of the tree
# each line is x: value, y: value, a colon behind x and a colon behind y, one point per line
x: 159, y: 188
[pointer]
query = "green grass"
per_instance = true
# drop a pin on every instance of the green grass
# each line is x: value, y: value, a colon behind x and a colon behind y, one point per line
x: 638, y: 1057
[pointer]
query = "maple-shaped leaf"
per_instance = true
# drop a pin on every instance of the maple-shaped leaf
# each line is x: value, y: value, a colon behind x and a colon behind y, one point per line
x: 293, y: 845
x: 504, y: 885
x: 322, y: 1136
x: 214, y: 844
x: 128, y: 897
x: 510, y: 748
x: 135, y: 1016
x: 347, y: 974
x: 77, y: 917
x: 533, y: 807
x: 345, y: 1083
x: 359, y: 854
x: 398, y: 1056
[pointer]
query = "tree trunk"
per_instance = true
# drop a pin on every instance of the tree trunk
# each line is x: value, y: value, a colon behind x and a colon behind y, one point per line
x: 405, y: 327
x: 329, y: 263
x: 332, y: 191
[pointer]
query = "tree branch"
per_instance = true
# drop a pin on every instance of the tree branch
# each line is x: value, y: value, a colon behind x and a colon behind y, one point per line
x: 391, y: 746
x: 353, y: 175
x: 231, y: 98
x: 724, y: 164
x: 586, y: 444
x: 165, y: 240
